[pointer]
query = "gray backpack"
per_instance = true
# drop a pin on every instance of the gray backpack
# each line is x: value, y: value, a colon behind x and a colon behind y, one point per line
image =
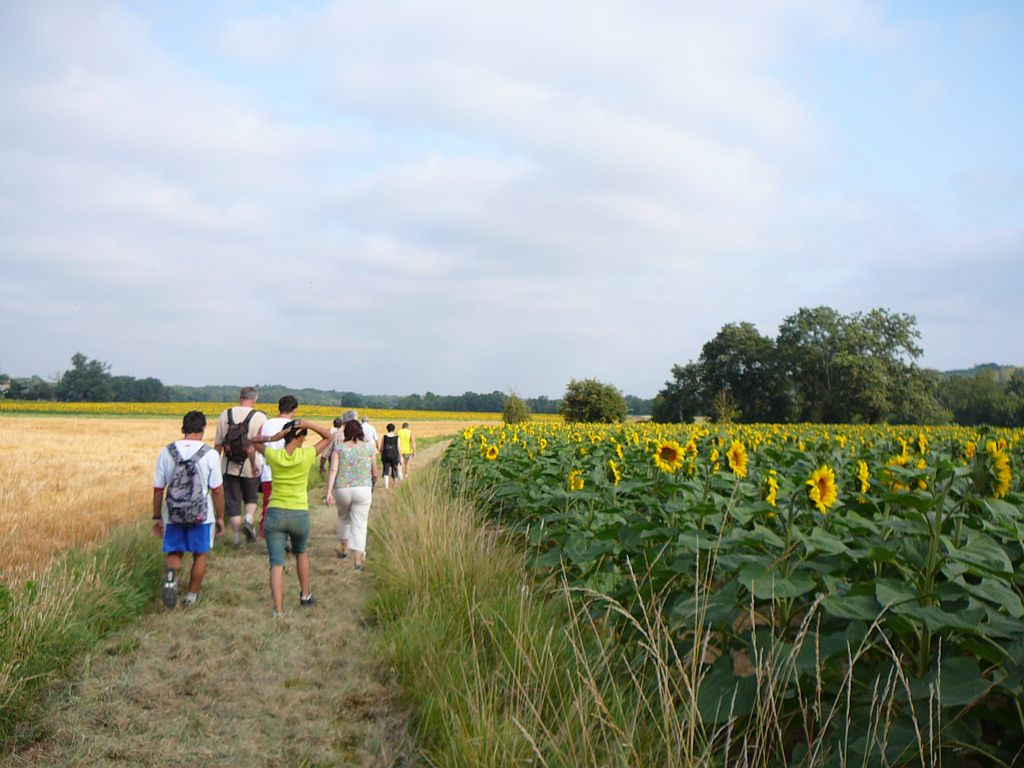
x: 186, y: 493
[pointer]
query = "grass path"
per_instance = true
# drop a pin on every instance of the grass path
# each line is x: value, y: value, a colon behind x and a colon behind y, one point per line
x: 224, y: 684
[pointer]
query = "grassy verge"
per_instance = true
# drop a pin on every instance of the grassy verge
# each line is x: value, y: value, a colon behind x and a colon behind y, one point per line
x: 48, y: 624
x: 499, y: 670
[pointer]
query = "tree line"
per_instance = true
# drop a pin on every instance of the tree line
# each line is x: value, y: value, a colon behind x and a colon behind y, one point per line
x: 89, y: 380
x: 824, y: 366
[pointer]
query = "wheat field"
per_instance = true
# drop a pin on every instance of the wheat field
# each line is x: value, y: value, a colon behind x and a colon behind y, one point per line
x: 65, y: 481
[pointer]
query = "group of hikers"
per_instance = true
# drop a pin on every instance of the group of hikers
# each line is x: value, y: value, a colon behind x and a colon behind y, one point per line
x: 195, y: 488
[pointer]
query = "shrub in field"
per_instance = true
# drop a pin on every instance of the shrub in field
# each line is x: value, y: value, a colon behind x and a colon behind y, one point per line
x: 590, y: 400
x: 516, y: 410
x: 813, y: 571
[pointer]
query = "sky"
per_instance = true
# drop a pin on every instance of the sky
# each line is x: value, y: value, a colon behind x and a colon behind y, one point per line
x: 425, y: 195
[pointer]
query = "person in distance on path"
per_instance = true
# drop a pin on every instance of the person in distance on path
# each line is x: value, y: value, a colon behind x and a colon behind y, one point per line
x: 390, y: 456
x: 369, y: 432
x: 407, y: 445
x: 236, y: 427
x: 180, y: 538
x: 288, y: 513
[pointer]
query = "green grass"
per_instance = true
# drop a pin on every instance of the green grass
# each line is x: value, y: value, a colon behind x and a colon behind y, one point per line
x: 47, y: 625
x: 500, y: 670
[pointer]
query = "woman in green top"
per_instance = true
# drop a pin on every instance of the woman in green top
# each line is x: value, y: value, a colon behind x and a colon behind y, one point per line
x: 288, y: 511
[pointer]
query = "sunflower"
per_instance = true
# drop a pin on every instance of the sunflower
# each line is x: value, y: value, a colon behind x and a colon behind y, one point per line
x: 613, y: 472
x: 543, y: 444
x: 770, y: 487
x: 490, y: 452
x: 922, y: 443
x: 821, y: 488
x: 863, y: 475
x: 737, y: 457
x: 690, y: 450
x: 922, y: 485
x: 576, y: 481
x: 899, y: 460
x: 999, y: 468
x: 668, y: 456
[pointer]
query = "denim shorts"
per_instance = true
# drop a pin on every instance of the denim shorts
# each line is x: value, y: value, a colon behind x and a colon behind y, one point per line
x: 284, y: 524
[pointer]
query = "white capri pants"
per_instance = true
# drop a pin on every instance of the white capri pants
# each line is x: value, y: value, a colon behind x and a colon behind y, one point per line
x: 353, y: 514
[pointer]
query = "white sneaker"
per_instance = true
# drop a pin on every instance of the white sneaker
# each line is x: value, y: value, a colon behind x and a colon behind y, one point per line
x: 190, y: 599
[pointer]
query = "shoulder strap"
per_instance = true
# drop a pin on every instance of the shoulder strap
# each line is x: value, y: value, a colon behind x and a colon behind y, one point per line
x: 172, y: 449
x: 231, y: 418
x: 247, y: 419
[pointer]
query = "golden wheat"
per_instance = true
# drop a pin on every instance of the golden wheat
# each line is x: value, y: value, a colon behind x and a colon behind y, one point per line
x: 65, y: 481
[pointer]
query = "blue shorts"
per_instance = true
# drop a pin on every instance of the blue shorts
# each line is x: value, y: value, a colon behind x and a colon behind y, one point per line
x: 196, y: 539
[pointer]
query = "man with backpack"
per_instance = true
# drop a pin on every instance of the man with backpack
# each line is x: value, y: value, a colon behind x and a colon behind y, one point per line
x: 192, y: 514
x: 236, y: 426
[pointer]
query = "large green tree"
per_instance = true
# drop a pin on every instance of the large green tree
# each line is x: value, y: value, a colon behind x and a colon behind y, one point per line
x: 589, y: 400
x: 858, y: 367
x: 807, y: 345
x: 682, y: 397
x: 823, y: 366
x: 86, y: 381
x: 739, y: 365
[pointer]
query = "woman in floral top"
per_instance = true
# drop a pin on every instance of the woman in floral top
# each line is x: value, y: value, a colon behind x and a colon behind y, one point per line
x: 350, y: 485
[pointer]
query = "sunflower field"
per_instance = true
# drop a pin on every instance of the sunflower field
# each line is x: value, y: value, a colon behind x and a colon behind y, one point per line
x: 862, y: 583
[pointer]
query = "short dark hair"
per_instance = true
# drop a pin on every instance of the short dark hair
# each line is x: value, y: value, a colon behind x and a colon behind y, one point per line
x: 194, y: 421
x: 405, y: 425
x: 287, y: 404
x: 391, y: 427
x: 338, y: 421
x: 353, y: 430
x: 294, y: 434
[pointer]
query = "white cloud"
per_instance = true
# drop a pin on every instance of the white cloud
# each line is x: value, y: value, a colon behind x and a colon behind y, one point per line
x: 486, y: 195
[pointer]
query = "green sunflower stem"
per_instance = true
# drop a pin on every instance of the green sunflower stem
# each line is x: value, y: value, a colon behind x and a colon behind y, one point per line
x: 935, y: 522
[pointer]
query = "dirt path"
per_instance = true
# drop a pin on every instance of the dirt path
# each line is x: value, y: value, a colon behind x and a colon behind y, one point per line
x: 224, y: 684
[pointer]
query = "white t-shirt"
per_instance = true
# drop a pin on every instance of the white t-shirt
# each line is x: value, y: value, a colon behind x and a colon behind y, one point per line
x: 272, y: 427
x: 369, y: 433
x: 209, y: 465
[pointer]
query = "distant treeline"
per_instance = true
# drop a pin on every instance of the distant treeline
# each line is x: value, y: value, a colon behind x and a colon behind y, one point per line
x: 91, y: 381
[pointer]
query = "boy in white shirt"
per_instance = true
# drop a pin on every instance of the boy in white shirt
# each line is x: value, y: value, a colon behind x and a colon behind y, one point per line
x: 194, y: 510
